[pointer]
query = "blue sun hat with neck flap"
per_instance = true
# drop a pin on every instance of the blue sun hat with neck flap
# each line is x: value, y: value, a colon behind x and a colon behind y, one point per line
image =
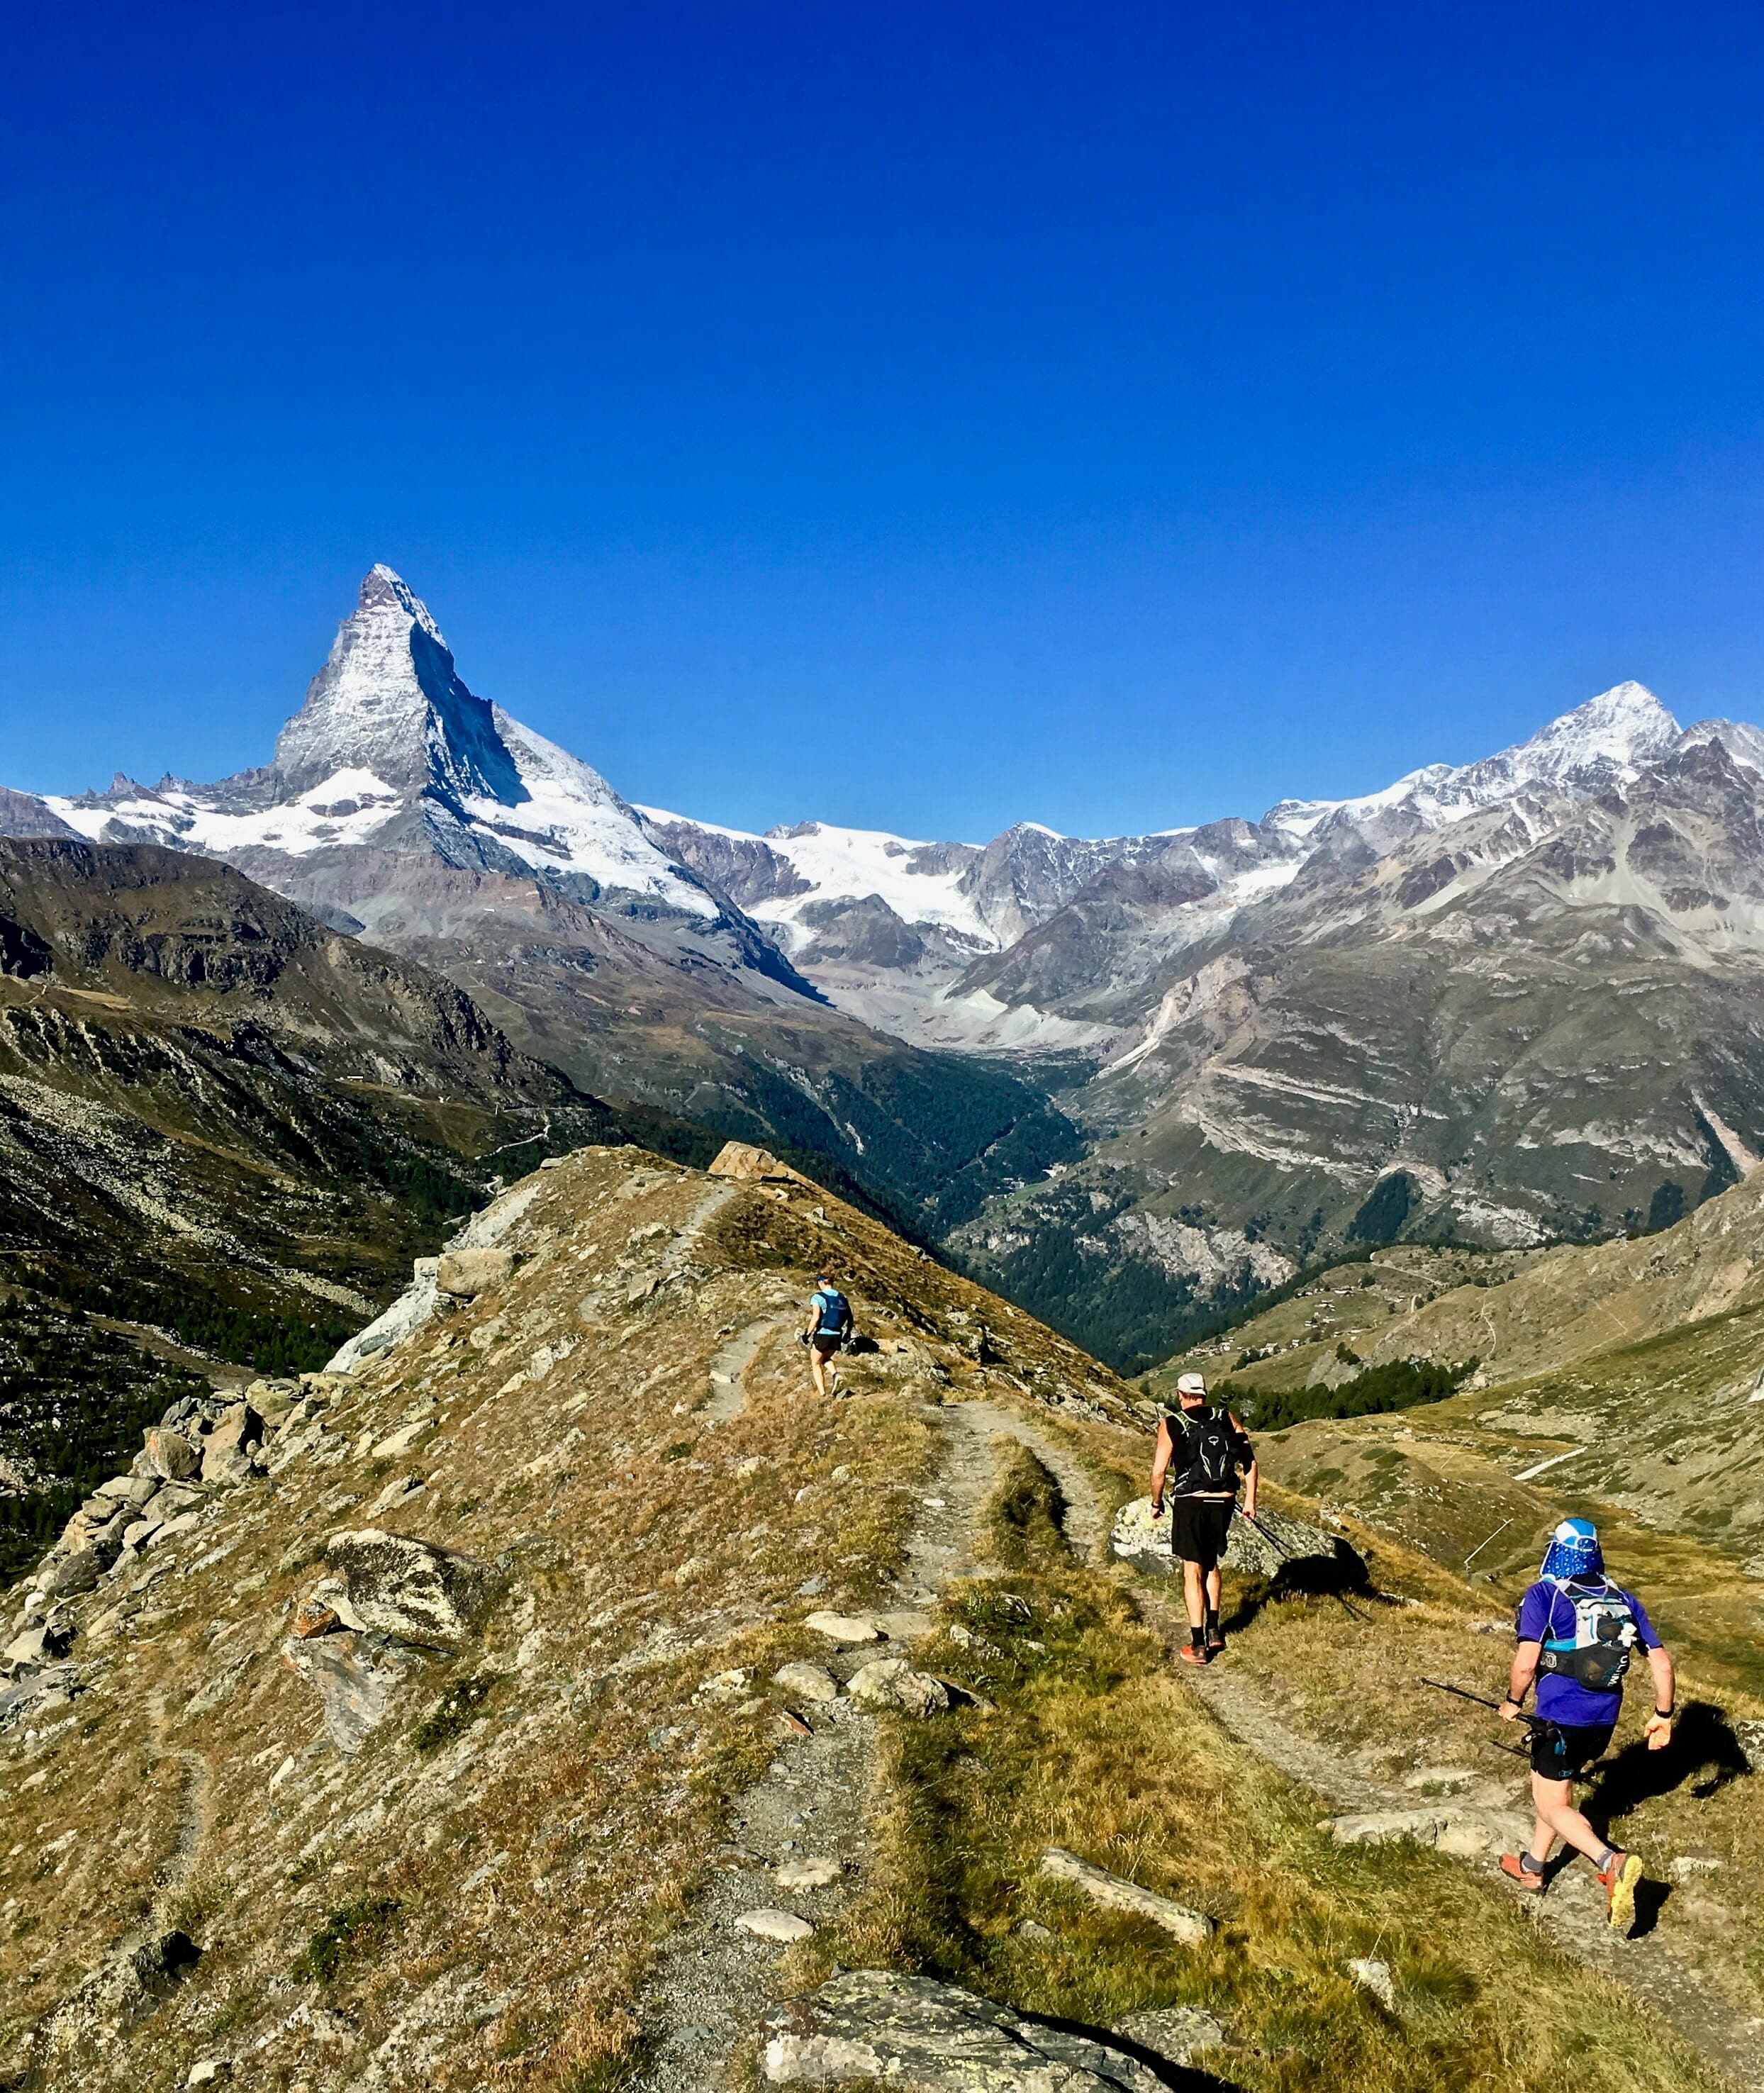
x: 1574, y: 1552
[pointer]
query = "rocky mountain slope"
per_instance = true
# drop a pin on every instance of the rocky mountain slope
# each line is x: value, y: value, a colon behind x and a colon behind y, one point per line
x: 1130, y: 1080
x: 209, y: 1102
x: 401, y: 806
x: 563, y: 1696
x: 1539, y: 1022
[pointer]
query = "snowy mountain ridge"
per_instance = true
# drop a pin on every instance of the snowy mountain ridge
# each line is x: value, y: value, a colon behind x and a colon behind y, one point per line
x: 390, y: 734
x: 392, y: 752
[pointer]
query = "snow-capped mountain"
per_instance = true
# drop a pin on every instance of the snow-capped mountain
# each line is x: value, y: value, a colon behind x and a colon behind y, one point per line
x: 392, y: 750
x: 1526, y: 989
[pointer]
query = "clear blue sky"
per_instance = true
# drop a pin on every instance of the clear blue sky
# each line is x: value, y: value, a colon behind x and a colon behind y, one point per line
x: 923, y: 416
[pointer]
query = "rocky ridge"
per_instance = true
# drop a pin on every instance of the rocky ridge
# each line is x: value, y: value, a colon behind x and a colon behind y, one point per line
x: 469, y: 1684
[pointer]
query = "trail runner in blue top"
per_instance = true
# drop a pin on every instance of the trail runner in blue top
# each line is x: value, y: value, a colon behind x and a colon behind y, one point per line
x: 1576, y: 1633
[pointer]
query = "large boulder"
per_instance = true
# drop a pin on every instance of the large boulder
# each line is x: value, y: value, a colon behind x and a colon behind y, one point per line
x: 408, y: 1588
x: 913, y: 2031
x: 741, y: 1158
x: 169, y: 1454
x: 74, y: 1573
x: 1273, y: 1543
x: 468, y: 1273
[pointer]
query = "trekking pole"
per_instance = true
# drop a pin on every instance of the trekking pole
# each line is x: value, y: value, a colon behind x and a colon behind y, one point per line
x: 1531, y: 1722
x: 1249, y: 1520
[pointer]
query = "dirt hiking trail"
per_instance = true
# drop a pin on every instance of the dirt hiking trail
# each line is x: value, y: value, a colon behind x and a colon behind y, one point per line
x: 818, y: 1800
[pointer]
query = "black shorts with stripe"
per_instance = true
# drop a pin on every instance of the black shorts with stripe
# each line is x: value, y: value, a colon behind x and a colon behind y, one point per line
x: 1200, y: 1527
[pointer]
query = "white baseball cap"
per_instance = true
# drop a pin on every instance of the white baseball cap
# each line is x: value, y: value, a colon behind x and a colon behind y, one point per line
x: 1191, y: 1383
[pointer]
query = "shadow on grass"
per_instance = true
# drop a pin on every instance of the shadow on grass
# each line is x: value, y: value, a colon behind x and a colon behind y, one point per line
x: 1179, y: 2077
x: 1704, y: 1755
x: 1343, y: 1577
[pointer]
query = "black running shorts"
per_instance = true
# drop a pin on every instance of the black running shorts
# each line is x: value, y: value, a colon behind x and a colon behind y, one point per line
x: 1565, y: 1750
x: 1199, y: 1529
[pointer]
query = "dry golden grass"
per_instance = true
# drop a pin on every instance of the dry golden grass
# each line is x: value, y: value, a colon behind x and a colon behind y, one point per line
x: 1094, y: 1746
x: 546, y: 1846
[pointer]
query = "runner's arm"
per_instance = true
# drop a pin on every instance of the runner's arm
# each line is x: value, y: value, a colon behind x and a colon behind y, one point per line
x: 1252, y: 1474
x: 1520, y: 1679
x: 1657, y: 1729
x: 1160, y: 1466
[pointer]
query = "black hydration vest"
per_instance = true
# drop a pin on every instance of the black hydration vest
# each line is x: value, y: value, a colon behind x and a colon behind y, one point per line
x: 1213, y: 1448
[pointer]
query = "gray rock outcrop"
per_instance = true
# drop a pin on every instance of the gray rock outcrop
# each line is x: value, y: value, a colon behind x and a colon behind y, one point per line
x: 911, y: 2031
x: 354, y: 1677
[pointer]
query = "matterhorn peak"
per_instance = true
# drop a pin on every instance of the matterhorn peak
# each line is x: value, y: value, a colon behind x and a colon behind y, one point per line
x: 382, y: 589
x: 387, y: 702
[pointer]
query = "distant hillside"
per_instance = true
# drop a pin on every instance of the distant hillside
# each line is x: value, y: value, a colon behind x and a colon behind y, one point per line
x: 218, y: 1114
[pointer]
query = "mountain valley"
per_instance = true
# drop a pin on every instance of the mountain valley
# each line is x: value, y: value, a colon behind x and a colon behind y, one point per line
x: 1133, y: 1081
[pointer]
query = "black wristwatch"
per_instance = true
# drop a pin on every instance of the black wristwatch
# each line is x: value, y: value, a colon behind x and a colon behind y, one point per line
x: 1665, y: 1714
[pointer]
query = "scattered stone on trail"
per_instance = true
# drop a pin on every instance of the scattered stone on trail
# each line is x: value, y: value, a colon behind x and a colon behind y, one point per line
x: 354, y: 1676
x: 782, y: 1926
x: 1697, y: 1862
x: 410, y: 1588
x: 1175, y: 2032
x: 725, y: 1685
x: 808, y: 1682
x: 467, y: 1273
x: 1375, y: 1977
x: 891, y: 1682
x: 845, y: 1628
x: 1118, y: 1894
x: 1275, y: 1542
x: 210, y: 2071
x: 1439, y: 1779
x: 816, y: 1871
x: 169, y: 1454
x: 906, y: 1626
x: 913, y: 2031
x: 1378, y: 1828
x: 1750, y: 1734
